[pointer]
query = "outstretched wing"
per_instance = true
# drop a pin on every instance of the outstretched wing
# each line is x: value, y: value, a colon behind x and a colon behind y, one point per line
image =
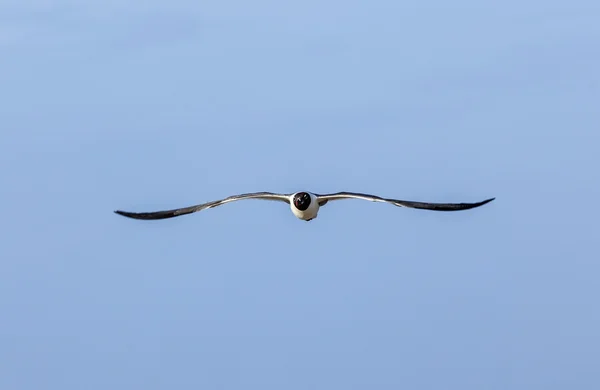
x: 402, y: 203
x: 192, y: 209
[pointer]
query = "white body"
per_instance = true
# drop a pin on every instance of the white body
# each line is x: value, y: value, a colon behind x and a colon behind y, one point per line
x: 308, y: 214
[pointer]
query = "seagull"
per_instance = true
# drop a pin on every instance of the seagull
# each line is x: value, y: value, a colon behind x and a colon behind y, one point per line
x: 304, y: 205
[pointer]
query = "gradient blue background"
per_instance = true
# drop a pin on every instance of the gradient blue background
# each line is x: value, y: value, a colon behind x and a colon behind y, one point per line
x: 149, y: 105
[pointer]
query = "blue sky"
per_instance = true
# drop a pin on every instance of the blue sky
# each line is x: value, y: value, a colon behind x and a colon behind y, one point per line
x: 152, y: 105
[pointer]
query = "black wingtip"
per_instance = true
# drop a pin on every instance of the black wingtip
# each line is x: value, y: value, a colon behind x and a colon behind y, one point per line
x: 479, y: 204
x: 132, y: 215
x: 488, y: 200
x: 152, y: 215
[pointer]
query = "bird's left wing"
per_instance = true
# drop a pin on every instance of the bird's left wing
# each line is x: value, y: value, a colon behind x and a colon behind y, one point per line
x: 402, y: 203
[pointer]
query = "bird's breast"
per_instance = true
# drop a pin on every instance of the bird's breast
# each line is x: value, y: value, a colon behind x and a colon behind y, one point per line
x: 308, y: 214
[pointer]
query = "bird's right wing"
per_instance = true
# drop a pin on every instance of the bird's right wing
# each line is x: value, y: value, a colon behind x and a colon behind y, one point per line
x: 192, y: 209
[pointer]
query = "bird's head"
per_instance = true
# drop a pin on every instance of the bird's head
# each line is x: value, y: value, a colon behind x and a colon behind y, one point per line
x: 302, y: 201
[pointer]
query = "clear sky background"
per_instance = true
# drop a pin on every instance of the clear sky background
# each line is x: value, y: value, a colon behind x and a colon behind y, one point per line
x: 146, y: 105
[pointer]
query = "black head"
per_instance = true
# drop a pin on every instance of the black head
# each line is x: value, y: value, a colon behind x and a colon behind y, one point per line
x: 302, y: 201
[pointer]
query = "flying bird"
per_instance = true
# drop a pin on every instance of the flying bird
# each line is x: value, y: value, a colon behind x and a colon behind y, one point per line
x: 304, y: 205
